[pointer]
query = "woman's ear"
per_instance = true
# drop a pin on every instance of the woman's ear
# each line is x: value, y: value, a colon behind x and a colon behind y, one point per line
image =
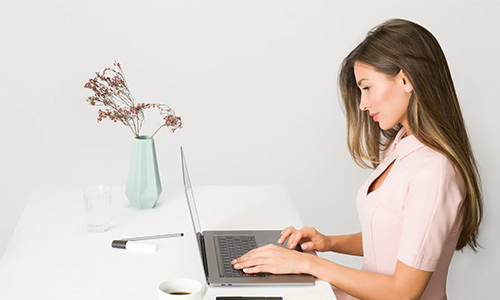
x: 406, y: 83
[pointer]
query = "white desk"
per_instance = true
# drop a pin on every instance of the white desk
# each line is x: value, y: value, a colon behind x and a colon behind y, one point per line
x: 52, y: 256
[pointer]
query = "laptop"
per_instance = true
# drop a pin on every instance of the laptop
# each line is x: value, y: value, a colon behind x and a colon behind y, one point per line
x: 219, y: 248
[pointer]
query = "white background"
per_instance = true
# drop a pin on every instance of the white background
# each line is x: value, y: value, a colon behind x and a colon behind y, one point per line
x: 255, y: 83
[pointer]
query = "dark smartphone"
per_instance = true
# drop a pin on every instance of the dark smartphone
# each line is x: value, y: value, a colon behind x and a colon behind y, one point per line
x: 247, y: 298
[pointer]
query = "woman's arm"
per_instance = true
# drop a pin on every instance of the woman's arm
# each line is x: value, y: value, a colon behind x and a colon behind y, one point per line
x: 406, y: 283
x: 351, y: 244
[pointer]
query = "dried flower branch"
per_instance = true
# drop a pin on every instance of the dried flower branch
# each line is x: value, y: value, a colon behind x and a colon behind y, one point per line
x: 111, y: 91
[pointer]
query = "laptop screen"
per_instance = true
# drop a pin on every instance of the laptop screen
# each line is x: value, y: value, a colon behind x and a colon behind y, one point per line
x: 190, y: 195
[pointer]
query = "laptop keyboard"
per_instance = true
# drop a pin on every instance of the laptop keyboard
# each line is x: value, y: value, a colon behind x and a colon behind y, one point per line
x: 231, y: 247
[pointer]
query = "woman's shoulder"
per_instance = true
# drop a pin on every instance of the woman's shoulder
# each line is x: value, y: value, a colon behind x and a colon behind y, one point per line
x: 418, y: 159
x: 428, y: 165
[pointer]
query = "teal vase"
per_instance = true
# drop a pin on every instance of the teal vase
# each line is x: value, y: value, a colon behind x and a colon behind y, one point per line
x: 143, y: 183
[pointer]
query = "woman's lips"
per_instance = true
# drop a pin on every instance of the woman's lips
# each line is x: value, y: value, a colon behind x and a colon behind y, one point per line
x: 375, y: 116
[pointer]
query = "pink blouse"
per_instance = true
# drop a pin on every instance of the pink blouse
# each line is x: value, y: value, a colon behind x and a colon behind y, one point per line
x: 413, y: 216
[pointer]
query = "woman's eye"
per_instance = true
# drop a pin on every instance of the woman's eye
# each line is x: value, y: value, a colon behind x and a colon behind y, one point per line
x: 366, y: 88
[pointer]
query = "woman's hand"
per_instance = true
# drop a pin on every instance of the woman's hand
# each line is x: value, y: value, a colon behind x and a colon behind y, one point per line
x: 308, y: 237
x: 272, y: 259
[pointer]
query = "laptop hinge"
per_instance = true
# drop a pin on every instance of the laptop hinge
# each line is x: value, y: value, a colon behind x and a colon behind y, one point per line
x: 203, y: 253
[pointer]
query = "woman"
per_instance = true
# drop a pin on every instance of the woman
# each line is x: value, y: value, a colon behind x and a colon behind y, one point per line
x: 423, y: 200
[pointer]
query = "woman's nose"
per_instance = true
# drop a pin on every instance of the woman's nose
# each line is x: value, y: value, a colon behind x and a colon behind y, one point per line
x: 363, y: 104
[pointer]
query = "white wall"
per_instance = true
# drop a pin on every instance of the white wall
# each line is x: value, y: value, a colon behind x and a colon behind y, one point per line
x: 255, y: 83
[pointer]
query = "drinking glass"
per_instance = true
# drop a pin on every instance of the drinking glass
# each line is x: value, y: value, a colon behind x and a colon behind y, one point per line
x: 97, y: 200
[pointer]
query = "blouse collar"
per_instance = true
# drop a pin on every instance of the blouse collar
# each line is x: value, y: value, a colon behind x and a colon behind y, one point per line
x: 404, y: 145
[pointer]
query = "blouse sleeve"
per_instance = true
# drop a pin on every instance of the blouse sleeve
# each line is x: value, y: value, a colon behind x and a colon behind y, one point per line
x: 431, y: 212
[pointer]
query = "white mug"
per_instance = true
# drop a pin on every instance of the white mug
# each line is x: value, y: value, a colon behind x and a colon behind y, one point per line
x: 181, y: 288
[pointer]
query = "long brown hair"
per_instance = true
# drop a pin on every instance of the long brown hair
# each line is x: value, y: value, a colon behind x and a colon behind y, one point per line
x: 433, y: 113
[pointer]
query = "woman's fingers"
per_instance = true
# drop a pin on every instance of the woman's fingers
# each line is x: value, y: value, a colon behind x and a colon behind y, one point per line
x: 252, y: 270
x: 270, y: 258
x: 307, y: 246
x: 294, y: 239
x: 295, y: 236
x: 255, y: 257
x: 257, y: 252
x: 251, y: 263
x: 303, y: 235
x: 286, y: 233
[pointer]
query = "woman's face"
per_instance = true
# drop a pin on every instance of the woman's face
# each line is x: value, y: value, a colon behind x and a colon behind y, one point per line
x: 386, y: 98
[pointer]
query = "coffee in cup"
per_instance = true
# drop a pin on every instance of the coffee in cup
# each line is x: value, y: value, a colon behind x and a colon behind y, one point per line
x: 181, y: 288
